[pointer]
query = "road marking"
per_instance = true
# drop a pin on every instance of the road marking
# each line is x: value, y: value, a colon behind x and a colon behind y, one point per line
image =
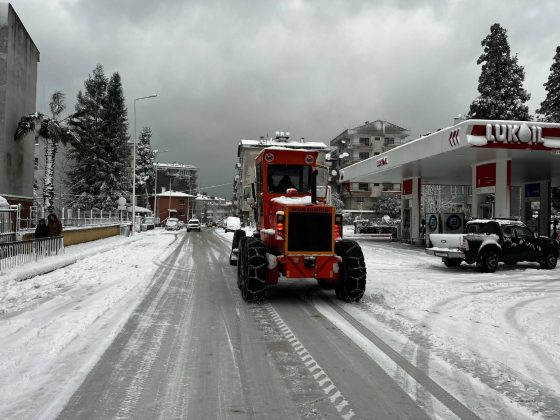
x: 329, y: 388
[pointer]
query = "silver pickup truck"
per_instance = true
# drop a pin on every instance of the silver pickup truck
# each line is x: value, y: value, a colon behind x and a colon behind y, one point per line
x: 489, y: 241
x: 448, y: 247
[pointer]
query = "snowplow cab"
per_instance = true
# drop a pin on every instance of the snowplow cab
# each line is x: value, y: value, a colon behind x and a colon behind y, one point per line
x: 299, y: 234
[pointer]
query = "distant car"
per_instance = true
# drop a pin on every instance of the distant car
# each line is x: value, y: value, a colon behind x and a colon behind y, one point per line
x: 172, y: 224
x: 194, y: 224
x: 232, y: 224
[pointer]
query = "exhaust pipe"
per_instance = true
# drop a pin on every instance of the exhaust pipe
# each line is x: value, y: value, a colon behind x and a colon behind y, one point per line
x: 314, y: 186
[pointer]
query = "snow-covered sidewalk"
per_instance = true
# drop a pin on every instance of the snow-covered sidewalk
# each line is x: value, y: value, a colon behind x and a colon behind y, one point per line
x: 502, y: 329
x: 54, y: 327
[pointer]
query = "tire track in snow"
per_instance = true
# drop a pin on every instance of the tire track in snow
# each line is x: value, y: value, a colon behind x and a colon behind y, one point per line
x: 325, y: 383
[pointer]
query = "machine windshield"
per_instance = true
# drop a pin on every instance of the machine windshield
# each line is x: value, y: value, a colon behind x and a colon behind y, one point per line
x: 283, y: 177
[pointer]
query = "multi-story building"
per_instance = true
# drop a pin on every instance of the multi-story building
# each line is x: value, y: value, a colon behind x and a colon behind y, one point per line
x: 247, y: 151
x: 18, y: 87
x: 360, y: 143
x: 174, y: 177
x: 211, y: 209
x: 174, y: 204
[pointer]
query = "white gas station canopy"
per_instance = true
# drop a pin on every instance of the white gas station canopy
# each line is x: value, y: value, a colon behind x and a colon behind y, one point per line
x: 448, y: 155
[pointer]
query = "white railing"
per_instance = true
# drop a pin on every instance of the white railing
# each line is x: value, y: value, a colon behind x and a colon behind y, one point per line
x: 76, y: 217
x: 17, y: 253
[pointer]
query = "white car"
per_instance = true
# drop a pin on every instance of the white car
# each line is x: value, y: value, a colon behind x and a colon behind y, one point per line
x: 172, y: 224
x: 194, y: 224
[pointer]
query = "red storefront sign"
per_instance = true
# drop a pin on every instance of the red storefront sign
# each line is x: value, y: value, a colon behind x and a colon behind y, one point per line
x: 407, y: 187
x: 486, y: 178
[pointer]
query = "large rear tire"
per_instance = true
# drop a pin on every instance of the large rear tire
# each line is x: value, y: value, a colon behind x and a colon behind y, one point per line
x: 240, y: 261
x: 254, y: 270
x: 235, y: 245
x: 352, y: 271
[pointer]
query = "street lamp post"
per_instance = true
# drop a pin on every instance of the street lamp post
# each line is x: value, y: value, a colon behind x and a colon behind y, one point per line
x: 155, y: 185
x: 134, y: 165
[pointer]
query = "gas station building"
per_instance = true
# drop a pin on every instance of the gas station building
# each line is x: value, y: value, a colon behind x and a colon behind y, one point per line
x: 492, y: 156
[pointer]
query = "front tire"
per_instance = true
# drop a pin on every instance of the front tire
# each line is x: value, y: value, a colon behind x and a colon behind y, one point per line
x: 254, y: 270
x: 489, y: 262
x: 550, y: 259
x: 352, y: 271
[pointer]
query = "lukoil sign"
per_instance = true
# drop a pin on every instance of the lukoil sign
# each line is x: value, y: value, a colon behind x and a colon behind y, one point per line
x: 515, y: 135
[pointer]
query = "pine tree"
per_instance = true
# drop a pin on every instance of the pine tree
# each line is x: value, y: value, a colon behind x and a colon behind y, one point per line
x: 90, y: 159
x: 115, y: 145
x: 550, y: 107
x: 145, y: 158
x: 500, y: 84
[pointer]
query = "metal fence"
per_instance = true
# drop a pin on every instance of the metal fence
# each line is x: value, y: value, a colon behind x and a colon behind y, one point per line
x: 17, y: 253
x: 76, y: 217
x: 9, y: 218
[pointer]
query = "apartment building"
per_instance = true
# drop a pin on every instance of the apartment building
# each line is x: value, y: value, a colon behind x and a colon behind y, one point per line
x: 359, y: 143
x: 18, y: 87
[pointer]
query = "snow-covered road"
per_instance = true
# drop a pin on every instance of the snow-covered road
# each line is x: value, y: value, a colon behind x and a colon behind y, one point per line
x: 458, y: 342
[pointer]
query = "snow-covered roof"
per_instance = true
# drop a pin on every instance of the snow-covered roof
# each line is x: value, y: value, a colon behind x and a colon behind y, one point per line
x: 175, y: 194
x: 138, y: 209
x: 499, y: 221
x: 287, y: 144
x: 175, y: 165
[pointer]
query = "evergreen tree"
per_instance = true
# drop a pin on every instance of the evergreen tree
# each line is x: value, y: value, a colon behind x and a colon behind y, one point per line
x: 99, y: 157
x: 115, y: 145
x: 500, y: 84
x: 550, y: 107
x: 145, y: 157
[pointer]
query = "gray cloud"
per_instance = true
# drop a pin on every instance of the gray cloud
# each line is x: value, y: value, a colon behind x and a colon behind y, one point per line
x: 226, y: 70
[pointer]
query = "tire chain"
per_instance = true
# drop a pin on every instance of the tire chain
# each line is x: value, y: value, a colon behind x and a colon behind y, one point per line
x: 352, y: 287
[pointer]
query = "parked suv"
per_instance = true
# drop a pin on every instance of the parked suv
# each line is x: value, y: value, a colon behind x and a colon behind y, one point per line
x: 194, y: 224
x: 172, y: 224
x: 488, y: 241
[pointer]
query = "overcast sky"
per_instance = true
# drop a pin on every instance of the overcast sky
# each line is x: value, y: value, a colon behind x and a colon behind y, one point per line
x: 230, y: 69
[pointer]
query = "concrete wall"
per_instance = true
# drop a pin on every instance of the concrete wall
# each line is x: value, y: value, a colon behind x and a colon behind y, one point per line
x: 18, y: 84
x: 78, y: 236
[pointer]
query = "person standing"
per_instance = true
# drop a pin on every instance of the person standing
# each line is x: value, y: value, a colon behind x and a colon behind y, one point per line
x: 55, y: 227
x: 42, y: 230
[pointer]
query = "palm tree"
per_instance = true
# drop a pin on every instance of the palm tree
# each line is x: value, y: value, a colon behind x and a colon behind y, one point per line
x: 52, y: 130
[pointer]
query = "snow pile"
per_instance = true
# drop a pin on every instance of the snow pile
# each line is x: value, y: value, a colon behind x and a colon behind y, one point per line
x: 292, y: 201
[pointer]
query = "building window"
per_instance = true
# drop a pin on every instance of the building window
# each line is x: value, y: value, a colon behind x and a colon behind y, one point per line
x: 363, y: 186
x: 375, y: 153
x: 389, y: 141
x: 181, y: 213
x: 36, y: 164
x: 181, y: 201
x: 377, y: 138
x: 364, y: 155
x: 364, y: 141
x: 376, y: 184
